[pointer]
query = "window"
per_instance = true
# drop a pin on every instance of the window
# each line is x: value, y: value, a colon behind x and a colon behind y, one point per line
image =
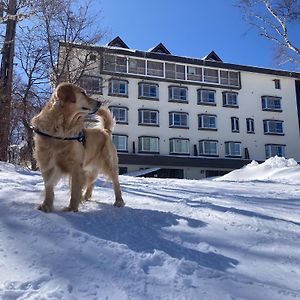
x: 136, y: 66
x: 149, y: 144
x: 179, y: 146
x: 208, y: 122
x: 148, y: 90
x: 271, y: 103
x: 274, y: 149
x: 115, y: 63
x: 277, y: 84
x: 91, y: 84
x: 233, y: 149
x: 174, y: 71
x: 121, y: 142
x: 229, y: 78
x: 155, y: 68
x: 211, y: 75
x: 178, y: 120
x: 208, y: 147
x: 273, y: 127
x: 120, y: 114
x: 148, y: 117
x: 118, y: 87
x: 230, y: 99
x: 250, y: 125
x: 235, y: 126
x: 178, y: 94
x: 194, y: 73
x: 206, y: 96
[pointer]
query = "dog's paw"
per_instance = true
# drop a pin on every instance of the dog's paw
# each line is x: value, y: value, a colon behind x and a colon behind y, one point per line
x: 119, y: 203
x: 68, y: 208
x: 45, y: 208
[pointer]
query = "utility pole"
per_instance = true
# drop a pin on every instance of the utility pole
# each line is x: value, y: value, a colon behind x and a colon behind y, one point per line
x: 6, y: 76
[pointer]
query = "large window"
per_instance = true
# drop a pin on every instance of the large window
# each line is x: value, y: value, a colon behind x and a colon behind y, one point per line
x: 229, y: 78
x: 235, y: 126
x: 178, y: 94
x: 208, y: 147
x: 273, y: 127
x: 179, y: 146
x: 148, y: 90
x: 120, y: 114
x: 233, y: 149
x: 211, y: 75
x: 136, y: 66
x: 148, y: 117
x: 121, y: 142
x: 250, y: 125
x: 230, y: 99
x: 178, y: 120
x: 155, y: 68
x: 194, y: 73
x: 92, y: 84
x: 207, y: 122
x: 271, y: 103
x: 114, y: 63
x: 118, y: 87
x: 148, y: 144
x: 174, y: 71
x: 274, y: 149
x: 205, y: 96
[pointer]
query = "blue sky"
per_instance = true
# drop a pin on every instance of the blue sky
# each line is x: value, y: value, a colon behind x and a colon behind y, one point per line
x: 188, y: 28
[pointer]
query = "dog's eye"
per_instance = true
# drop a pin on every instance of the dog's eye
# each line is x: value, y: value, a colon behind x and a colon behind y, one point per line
x: 83, y: 92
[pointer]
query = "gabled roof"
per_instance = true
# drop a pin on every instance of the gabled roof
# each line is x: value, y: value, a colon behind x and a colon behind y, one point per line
x: 160, y: 48
x: 117, y: 42
x: 213, y: 56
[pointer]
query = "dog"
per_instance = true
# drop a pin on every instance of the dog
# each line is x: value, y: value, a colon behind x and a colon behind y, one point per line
x: 64, y: 146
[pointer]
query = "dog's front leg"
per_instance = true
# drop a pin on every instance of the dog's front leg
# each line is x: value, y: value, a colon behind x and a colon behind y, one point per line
x: 47, y: 205
x: 76, y: 190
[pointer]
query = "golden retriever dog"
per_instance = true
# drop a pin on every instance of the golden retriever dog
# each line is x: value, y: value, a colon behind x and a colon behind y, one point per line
x: 63, y: 146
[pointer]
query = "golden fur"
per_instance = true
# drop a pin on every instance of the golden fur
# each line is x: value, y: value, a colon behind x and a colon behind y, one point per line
x: 63, y: 117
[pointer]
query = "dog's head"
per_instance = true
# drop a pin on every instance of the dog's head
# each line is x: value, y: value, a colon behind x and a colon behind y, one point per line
x: 73, y: 99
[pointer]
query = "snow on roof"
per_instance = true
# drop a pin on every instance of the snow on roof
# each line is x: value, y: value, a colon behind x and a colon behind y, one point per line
x: 274, y: 169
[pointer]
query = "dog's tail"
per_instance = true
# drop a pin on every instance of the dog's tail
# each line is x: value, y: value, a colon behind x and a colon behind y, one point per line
x: 107, y: 119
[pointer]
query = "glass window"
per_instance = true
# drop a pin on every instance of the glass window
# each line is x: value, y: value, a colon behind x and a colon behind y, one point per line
x: 277, y: 84
x: 194, y: 73
x: 177, y: 94
x: 148, y: 144
x: 206, y: 96
x: 91, y: 84
x: 229, y: 78
x: 148, y: 90
x: 114, y: 63
x: 120, y: 114
x: 121, y: 142
x: 136, y: 66
x: 250, y: 125
x: 179, y: 146
x: 271, y: 103
x: 174, y: 71
x: 232, y: 149
x: 208, y: 147
x: 148, y: 117
x: 230, y: 99
x: 273, y: 127
x: 207, y: 122
x: 211, y: 75
x: 235, y: 127
x: 178, y: 119
x: 274, y: 149
x: 118, y: 87
x: 155, y: 68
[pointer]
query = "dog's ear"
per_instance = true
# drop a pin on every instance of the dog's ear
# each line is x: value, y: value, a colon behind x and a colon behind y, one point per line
x: 65, y: 93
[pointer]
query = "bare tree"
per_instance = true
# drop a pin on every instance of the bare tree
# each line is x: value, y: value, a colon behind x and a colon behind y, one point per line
x: 275, y: 20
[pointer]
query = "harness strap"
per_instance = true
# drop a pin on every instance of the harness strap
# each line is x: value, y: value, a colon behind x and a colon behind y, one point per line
x: 80, y: 138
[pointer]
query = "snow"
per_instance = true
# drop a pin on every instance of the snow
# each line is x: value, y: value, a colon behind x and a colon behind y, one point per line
x: 233, y: 237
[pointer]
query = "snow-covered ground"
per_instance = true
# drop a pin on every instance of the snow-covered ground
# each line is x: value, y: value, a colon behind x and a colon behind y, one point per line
x: 234, y: 237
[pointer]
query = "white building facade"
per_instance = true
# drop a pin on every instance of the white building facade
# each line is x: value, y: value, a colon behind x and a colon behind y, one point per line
x: 192, y: 118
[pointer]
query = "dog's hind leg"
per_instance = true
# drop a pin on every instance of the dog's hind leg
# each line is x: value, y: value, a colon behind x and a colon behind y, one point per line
x: 89, y: 184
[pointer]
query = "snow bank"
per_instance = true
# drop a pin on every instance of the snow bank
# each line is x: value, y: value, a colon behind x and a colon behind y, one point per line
x: 275, y: 169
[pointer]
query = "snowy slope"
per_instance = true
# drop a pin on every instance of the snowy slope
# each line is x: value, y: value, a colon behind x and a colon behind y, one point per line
x: 175, y: 239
